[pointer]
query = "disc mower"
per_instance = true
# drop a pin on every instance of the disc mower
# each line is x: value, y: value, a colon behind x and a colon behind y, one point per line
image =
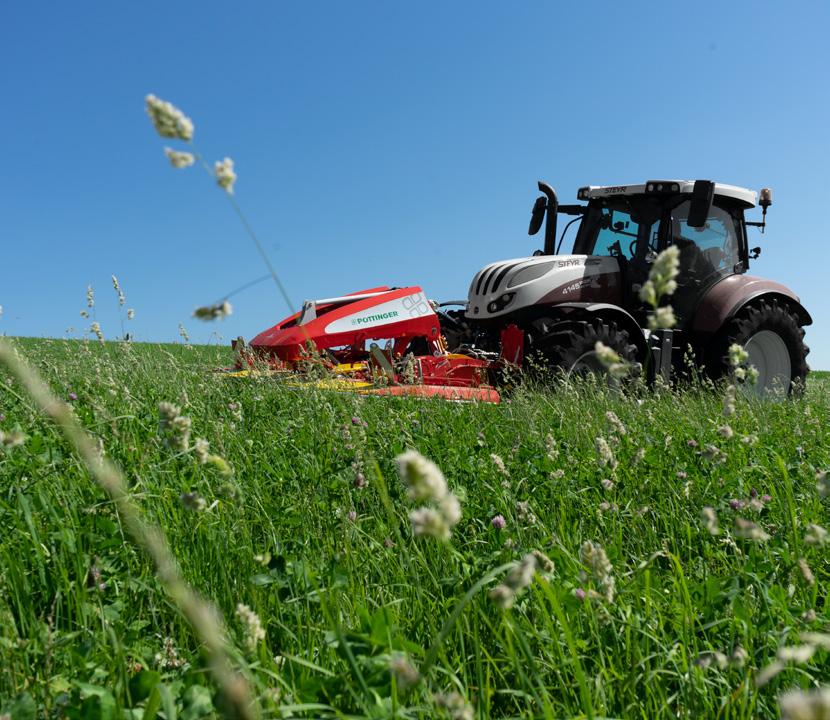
x: 554, y: 307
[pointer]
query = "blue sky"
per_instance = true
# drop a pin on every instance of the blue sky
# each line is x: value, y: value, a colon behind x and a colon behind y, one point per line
x: 381, y: 142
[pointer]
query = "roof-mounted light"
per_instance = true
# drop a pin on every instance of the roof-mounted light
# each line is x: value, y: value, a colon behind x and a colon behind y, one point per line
x: 583, y: 193
x: 662, y: 186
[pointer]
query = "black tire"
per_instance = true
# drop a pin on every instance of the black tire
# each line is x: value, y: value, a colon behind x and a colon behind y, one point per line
x: 754, y: 328
x: 568, y: 347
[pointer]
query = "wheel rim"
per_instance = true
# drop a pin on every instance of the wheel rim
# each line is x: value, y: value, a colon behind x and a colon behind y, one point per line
x: 769, y: 355
x: 587, y: 364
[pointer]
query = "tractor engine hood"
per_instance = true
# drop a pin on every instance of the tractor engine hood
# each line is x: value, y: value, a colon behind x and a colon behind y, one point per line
x: 504, y: 287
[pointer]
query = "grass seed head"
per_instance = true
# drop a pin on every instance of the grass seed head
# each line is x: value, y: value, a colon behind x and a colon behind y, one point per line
x: 168, y: 120
x: 179, y: 160
x: 225, y: 175
x: 811, y: 704
x: 815, y: 535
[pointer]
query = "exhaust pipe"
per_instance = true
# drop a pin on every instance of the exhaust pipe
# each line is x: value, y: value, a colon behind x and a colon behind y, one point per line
x: 550, y: 220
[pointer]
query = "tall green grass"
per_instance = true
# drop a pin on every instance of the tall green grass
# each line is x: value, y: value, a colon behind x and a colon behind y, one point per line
x: 311, y: 531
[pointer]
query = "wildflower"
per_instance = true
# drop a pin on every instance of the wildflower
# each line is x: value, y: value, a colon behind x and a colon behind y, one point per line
x: 580, y: 594
x: 606, y: 455
x: 405, y: 673
x: 768, y: 673
x: 711, y: 452
x: 183, y: 333
x: 359, y: 481
x: 263, y: 559
x: 525, y: 513
x: 809, y: 616
x: 179, y: 160
x: 90, y: 296
x: 422, y: 477
x: 557, y: 474
x: 119, y: 292
x: 749, y: 530
x: 691, y: 443
x: 450, y: 508
x: 662, y: 318
x: 169, y: 658
x: 95, y: 328
x: 595, y: 558
x: 517, y: 579
x: 710, y: 520
x: 607, y: 485
x: 806, y: 572
x: 811, y: 704
x: 455, y: 705
x: 751, y: 439
x: 174, y: 427
x: 823, y: 483
x: 815, y: 535
x: 612, y: 362
x: 254, y: 632
x: 615, y: 423
x: 193, y: 501
x: 427, y: 522
x: 638, y: 456
x: 72, y: 396
x: 213, y: 312
x: 200, y: 450
x: 661, y: 278
x: 543, y: 562
x: 550, y: 447
x: 225, y: 176
x: 499, y: 463
x: 168, y: 120
x: 498, y: 522
x: 738, y: 657
x: 352, y: 516
x: 716, y: 658
x: 821, y: 640
x: 729, y: 400
x: 736, y: 504
x: 726, y: 432
x: 130, y: 314
x: 796, y: 653
x: 737, y: 355
x: 219, y: 464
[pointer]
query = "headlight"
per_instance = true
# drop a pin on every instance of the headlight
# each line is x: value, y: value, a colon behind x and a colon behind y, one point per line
x: 500, y: 303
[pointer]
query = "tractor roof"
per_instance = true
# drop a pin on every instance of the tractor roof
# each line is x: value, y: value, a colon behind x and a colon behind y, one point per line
x: 663, y: 187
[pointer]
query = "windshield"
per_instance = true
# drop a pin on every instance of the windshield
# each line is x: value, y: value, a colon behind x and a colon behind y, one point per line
x: 621, y: 227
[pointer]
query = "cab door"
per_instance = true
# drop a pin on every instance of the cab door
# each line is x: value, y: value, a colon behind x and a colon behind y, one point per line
x: 707, y: 253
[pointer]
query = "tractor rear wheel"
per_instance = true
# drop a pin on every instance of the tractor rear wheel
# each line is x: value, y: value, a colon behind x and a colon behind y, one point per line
x: 774, y: 341
x: 570, y: 347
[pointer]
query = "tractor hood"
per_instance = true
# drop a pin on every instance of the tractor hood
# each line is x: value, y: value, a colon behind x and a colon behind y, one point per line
x: 504, y: 287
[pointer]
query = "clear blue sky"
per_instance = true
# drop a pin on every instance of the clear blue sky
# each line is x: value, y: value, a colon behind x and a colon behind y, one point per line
x: 381, y: 142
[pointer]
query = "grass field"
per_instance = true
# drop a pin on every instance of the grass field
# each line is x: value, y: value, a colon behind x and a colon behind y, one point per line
x: 691, y: 615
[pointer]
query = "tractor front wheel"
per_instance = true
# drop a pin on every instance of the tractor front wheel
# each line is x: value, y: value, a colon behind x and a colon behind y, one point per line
x: 570, y: 347
x: 774, y: 341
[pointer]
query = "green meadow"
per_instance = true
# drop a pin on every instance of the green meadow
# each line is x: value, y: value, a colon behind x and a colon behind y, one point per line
x: 680, y: 566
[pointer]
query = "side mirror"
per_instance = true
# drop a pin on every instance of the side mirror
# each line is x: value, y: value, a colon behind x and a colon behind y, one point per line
x: 702, y: 196
x: 537, y: 215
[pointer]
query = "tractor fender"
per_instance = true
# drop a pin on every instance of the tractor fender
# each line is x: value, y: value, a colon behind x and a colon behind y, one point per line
x: 611, y: 312
x: 729, y: 296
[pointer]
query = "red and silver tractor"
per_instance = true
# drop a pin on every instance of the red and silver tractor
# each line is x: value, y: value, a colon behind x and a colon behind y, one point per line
x: 556, y: 307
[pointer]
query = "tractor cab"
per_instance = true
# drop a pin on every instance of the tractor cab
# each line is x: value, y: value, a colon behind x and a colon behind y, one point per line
x: 633, y: 223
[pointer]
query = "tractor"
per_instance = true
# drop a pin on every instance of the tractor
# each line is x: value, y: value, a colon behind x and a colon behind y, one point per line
x: 555, y: 307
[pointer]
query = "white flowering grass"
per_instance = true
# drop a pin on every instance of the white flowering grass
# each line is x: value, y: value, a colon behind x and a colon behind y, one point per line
x: 355, y: 616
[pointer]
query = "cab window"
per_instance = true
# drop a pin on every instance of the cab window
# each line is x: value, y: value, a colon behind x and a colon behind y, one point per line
x: 612, y: 232
x: 708, y: 250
